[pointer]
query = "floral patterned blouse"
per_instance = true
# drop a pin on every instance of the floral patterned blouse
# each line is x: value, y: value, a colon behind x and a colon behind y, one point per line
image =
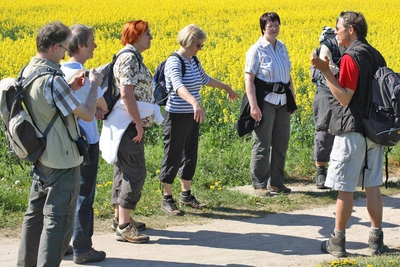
x: 128, y: 72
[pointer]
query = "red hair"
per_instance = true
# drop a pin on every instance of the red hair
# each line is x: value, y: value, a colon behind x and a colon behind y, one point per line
x: 133, y: 30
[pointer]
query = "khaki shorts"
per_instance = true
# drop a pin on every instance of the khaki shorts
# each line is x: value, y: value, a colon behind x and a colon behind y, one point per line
x: 347, y: 162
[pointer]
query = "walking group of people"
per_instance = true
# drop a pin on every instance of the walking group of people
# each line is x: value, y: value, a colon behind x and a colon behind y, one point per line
x: 63, y: 188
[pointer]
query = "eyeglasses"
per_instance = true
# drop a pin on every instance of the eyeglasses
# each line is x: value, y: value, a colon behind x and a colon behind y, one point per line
x: 276, y: 26
x: 338, y: 29
x: 199, y: 45
x: 66, y: 49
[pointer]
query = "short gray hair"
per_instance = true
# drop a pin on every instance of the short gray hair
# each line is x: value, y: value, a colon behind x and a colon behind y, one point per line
x: 189, y: 35
x: 80, y: 36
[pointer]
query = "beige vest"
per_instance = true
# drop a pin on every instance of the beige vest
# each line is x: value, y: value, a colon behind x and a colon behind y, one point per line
x: 61, y: 152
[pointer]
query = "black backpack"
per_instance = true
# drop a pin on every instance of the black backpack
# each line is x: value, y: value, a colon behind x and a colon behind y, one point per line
x: 327, y: 38
x: 24, y: 137
x: 159, y: 87
x: 382, y: 124
x: 110, y: 93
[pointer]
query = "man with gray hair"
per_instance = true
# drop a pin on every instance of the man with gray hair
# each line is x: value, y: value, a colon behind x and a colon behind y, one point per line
x: 81, y: 48
x: 48, y: 222
x: 348, y: 166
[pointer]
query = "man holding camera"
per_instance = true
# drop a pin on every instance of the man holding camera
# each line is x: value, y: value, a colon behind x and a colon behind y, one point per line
x: 81, y: 49
x: 48, y: 222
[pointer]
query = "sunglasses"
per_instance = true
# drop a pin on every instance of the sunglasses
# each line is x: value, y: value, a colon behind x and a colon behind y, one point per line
x: 199, y: 45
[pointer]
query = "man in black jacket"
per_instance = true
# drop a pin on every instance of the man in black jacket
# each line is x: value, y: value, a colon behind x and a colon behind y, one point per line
x: 345, y: 172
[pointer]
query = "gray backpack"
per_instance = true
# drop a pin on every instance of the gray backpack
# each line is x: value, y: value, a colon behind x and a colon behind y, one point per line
x: 24, y: 137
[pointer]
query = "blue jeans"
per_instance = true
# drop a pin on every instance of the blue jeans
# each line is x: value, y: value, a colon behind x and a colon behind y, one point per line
x: 83, y: 229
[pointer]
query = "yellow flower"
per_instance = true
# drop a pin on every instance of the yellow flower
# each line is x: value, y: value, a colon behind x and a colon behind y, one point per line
x: 99, y: 185
x: 212, y: 187
x: 219, y: 188
x: 157, y: 172
x: 96, y: 211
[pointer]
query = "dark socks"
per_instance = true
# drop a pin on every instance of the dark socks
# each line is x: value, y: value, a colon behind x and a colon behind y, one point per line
x: 123, y: 226
x: 186, y: 193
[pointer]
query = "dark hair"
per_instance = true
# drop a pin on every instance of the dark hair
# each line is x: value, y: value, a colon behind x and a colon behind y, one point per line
x: 268, y: 17
x: 133, y: 30
x: 80, y: 36
x: 51, y: 34
x: 356, y: 20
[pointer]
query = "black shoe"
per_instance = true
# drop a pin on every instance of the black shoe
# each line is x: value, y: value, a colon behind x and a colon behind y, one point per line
x: 191, y: 201
x: 334, y: 246
x: 170, y: 208
x: 69, y: 251
x: 321, y: 177
x: 91, y: 256
x: 376, y: 244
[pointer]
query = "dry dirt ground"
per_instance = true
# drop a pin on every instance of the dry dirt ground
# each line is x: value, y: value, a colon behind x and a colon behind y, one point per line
x: 284, y: 239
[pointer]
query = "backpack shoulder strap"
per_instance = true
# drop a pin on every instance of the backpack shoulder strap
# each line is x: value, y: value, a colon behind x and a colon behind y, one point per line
x: 196, y: 60
x: 42, y: 71
x: 182, y: 62
x: 126, y: 51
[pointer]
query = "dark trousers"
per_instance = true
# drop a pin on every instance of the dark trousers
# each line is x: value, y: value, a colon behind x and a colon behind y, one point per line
x: 83, y: 229
x: 181, y: 139
x: 48, y: 222
x: 129, y: 171
x: 271, y: 140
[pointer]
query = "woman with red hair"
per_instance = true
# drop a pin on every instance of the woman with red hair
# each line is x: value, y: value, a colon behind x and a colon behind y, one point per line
x: 133, y: 80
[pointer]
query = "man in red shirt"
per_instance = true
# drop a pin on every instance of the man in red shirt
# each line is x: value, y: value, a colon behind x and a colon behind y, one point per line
x: 345, y: 173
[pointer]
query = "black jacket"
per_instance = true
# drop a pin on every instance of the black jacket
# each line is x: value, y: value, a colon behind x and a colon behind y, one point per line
x: 368, y: 59
x: 246, y: 123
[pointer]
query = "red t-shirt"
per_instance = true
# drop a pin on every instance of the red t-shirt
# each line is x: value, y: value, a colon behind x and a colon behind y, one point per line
x: 348, y: 73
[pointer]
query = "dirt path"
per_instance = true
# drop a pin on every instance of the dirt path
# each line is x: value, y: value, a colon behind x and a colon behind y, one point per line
x: 286, y: 239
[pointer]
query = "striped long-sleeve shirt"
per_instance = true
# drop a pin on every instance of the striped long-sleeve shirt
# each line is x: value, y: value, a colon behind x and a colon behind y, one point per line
x: 193, y: 79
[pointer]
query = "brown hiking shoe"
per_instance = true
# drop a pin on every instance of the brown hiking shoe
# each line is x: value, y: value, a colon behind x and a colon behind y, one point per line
x: 130, y: 234
x: 376, y: 244
x: 170, y: 208
x: 334, y: 246
x: 138, y: 225
x: 191, y: 201
x: 279, y: 189
x: 262, y: 192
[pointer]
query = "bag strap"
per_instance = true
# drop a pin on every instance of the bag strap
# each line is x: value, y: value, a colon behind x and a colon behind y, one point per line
x: 110, y: 81
x: 27, y: 81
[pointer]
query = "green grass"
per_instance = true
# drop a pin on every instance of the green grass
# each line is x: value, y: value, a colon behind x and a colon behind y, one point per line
x: 223, y: 163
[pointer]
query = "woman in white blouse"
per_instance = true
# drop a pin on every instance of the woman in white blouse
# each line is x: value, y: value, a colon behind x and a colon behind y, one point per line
x: 268, y: 68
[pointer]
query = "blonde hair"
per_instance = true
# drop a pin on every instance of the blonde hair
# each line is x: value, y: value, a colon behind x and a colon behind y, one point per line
x: 189, y: 35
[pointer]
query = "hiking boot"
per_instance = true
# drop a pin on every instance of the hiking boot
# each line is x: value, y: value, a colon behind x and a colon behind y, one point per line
x: 138, y: 225
x: 91, y: 256
x: 334, y: 246
x: 321, y: 177
x: 262, y: 192
x: 279, y: 189
x: 191, y: 201
x: 170, y: 208
x: 376, y: 244
x: 130, y: 234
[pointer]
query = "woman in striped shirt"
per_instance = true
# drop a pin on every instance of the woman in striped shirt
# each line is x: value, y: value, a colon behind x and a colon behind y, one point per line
x: 182, y: 117
x: 268, y: 64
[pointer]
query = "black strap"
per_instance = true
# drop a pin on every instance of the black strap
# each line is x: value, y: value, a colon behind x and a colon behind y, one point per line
x: 110, y: 81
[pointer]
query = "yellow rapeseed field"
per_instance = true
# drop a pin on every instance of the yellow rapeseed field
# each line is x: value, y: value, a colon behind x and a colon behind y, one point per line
x: 231, y: 27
